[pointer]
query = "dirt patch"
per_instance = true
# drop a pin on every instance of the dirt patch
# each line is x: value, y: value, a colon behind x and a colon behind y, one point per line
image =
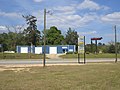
x: 54, y: 56
x: 18, y: 69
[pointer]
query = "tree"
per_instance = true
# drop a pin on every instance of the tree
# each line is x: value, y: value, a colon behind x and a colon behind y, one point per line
x: 71, y: 37
x: 88, y: 47
x: 32, y: 35
x: 3, y: 38
x: 104, y: 48
x: 13, y: 37
x: 111, y: 49
x: 100, y: 44
x: 8, y: 41
x: 54, y: 36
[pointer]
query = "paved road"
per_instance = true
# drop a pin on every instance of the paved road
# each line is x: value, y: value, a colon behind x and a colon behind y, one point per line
x: 53, y: 61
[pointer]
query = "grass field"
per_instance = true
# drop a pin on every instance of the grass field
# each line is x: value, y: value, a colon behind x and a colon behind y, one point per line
x: 20, y: 56
x: 40, y: 56
x: 100, y: 76
x: 104, y: 55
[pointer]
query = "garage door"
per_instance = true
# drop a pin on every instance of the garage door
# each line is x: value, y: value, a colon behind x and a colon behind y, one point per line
x: 24, y: 49
x: 38, y: 50
x: 53, y: 50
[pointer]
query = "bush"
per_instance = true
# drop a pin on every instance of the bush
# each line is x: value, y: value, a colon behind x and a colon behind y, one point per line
x: 87, y: 52
x: 69, y: 53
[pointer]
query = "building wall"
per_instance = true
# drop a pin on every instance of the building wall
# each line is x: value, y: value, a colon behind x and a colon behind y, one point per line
x: 53, y: 50
x: 71, y: 48
x: 58, y: 49
x: 22, y: 49
x: 38, y: 50
x: 46, y: 49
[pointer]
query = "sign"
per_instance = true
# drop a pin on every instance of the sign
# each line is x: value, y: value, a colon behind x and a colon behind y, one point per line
x: 96, y: 38
x: 81, y: 44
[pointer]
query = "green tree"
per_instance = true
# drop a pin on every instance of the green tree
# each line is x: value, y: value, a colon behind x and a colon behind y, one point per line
x: 32, y: 35
x: 105, y: 48
x: 8, y: 40
x: 111, y: 49
x: 102, y: 47
x: 88, y: 48
x: 71, y: 37
x: 3, y: 38
x: 54, y: 36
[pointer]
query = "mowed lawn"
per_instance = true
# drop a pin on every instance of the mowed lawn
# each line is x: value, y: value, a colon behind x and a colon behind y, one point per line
x: 102, y: 55
x: 20, y: 56
x: 93, y: 76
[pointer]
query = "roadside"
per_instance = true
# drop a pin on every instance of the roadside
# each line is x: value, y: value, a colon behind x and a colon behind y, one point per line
x: 18, y: 67
x: 54, y: 61
x: 14, y: 56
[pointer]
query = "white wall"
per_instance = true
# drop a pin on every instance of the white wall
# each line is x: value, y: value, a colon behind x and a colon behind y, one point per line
x: 38, y: 50
x: 24, y: 49
x: 53, y: 50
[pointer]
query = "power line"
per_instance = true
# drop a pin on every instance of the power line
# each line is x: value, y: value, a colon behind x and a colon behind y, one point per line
x: 63, y: 20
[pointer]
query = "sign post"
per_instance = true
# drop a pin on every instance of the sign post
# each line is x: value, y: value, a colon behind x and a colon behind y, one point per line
x: 81, y: 47
x: 95, y: 44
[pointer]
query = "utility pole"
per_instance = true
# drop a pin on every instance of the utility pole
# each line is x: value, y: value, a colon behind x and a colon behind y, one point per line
x: 44, y: 38
x: 115, y: 44
x: 84, y: 51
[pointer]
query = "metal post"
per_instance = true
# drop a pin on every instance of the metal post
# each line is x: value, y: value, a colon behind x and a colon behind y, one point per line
x: 96, y: 46
x: 78, y: 51
x: 91, y: 46
x: 44, y: 37
x: 115, y: 45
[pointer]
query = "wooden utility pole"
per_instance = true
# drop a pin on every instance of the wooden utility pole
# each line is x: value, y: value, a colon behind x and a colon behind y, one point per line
x: 84, y: 51
x: 44, y: 38
x: 115, y: 44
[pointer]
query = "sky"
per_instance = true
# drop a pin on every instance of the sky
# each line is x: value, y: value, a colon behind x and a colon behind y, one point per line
x: 91, y: 18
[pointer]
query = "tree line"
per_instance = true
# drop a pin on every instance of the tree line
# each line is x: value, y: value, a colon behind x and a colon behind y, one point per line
x: 54, y: 36
x: 32, y: 36
x: 10, y: 40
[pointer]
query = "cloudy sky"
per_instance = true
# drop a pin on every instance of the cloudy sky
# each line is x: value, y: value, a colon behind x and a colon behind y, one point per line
x: 92, y: 18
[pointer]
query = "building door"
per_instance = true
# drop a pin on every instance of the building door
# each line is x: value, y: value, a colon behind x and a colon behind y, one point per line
x: 38, y: 50
x: 24, y: 49
x: 53, y: 50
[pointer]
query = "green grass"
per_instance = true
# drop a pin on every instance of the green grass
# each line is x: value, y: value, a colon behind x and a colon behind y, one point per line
x: 20, y: 56
x: 40, y: 56
x: 105, y: 76
x: 104, y: 55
